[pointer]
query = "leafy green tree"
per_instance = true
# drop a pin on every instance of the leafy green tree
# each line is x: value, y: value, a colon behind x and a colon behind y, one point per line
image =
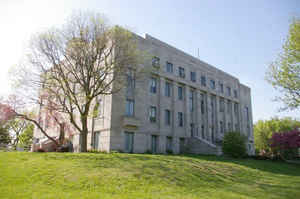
x: 264, y: 129
x: 25, y: 139
x: 284, y: 73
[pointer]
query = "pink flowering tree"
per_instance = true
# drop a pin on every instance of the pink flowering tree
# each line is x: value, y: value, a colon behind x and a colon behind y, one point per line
x: 10, y: 109
x: 285, y: 144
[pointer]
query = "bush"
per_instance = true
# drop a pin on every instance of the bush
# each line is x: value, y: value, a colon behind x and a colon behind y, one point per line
x: 234, y: 145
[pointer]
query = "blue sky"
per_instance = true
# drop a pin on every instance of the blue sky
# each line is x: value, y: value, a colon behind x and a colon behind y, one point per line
x: 239, y: 37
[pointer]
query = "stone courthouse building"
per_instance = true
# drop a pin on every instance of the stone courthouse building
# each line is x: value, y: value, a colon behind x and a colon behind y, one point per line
x: 183, y: 105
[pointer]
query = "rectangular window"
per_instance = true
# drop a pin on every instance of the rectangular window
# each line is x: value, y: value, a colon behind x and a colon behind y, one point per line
x: 129, y: 107
x: 247, y: 113
x: 154, y: 143
x: 236, y: 108
x: 167, y: 117
x: 229, y: 126
x: 155, y: 61
x: 193, y: 133
x: 129, y: 137
x: 202, y: 131
x: 212, y: 84
x: 181, y: 72
x: 169, y: 144
x: 221, y: 127
x: 202, y: 104
x: 229, y: 107
x: 153, y: 85
x: 235, y: 93
x: 228, y: 91
x: 152, y: 114
x: 236, y: 126
x: 222, y: 105
x: 193, y: 76
x: 203, y: 81
x: 130, y: 79
x: 221, y: 87
x: 169, y: 67
x: 192, y: 93
x: 180, y: 119
x: 180, y: 92
x: 168, y: 87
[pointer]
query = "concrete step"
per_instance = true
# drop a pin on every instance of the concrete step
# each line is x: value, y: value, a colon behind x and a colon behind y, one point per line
x: 197, y: 145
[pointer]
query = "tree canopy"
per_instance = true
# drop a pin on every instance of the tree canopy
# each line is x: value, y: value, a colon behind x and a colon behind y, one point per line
x: 284, y: 73
x: 264, y: 129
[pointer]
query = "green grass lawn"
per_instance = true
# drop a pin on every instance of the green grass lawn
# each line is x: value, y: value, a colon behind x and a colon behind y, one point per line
x: 58, y: 175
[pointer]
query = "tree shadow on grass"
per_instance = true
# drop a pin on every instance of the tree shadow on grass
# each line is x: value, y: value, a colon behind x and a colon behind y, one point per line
x: 276, y: 167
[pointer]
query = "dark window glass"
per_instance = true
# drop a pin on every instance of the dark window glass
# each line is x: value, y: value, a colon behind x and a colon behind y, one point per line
x: 228, y: 91
x: 212, y: 84
x: 129, y: 107
x: 203, y: 81
x: 193, y: 76
x: 152, y: 114
x: 180, y: 119
x: 181, y: 72
x: 168, y: 89
x: 167, y: 117
x: 180, y: 92
x: 129, y: 137
x: 153, y: 85
x: 169, y: 67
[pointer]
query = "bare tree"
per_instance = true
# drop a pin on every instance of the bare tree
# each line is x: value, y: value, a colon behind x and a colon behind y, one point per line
x: 70, y: 66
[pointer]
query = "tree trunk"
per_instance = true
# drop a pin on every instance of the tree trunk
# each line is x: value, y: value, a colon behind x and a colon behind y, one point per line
x: 83, y: 135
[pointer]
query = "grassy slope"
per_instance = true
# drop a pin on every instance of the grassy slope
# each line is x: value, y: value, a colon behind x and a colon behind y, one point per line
x: 54, y: 175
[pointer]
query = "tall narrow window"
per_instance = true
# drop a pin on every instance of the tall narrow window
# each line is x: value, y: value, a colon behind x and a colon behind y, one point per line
x: 180, y: 92
x: 169, y: 144
x: 168, y: 87
x: 247, y: 113
x: 221, y: 127
x: 154, y: 143
x: 153, y: 85
x: 228, y: 91
x: 202, y: 131
x: 203, y: 80
x: 193, y: 76
x: 222, y: 105
x: 180, y: 119
x: 129, y: 137
x: 129, y: 107
x: 202, y: 104
x: 193, y: 133
x: 130, y: 79
x: 181, y: 72
x: 152, y: 114
x: 229, y: 107
x: 229, y: 126
x: 167, y: 117
x: 192, y: 93
x: 169, y: 67
x: 235, y: 93
x: 212, y: 84
x: 221, y: 87
x: 236, y: 108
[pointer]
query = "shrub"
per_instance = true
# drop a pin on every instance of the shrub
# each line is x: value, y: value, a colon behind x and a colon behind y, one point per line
x: 234, y: 145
